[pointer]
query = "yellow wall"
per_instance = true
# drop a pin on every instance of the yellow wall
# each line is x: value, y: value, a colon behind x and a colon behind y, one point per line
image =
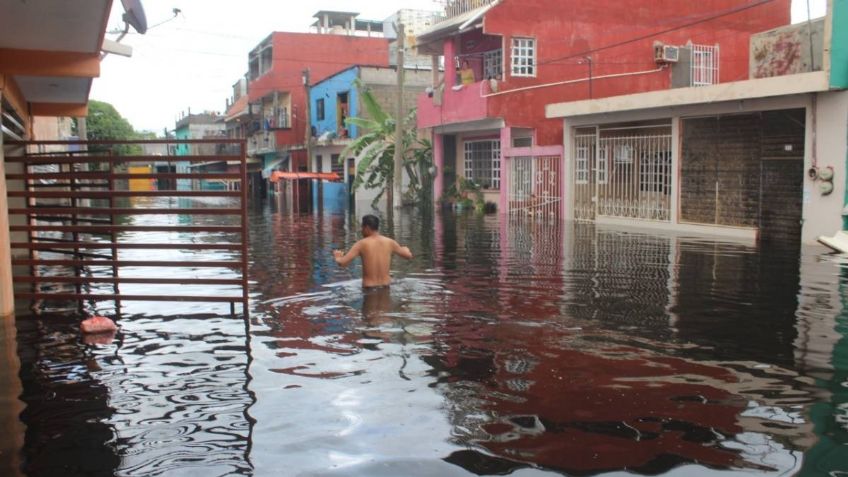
x: 140, y: 184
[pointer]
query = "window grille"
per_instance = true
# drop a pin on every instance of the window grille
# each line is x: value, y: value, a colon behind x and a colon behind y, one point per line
x: 483, y: 163
x: 705, y: 65
x: 523, y: 57
x: 601, y: 167
x: 493, y: 64
x: 581, y: 165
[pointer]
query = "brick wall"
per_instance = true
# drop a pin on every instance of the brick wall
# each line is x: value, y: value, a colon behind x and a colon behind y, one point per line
x: 387, y: 97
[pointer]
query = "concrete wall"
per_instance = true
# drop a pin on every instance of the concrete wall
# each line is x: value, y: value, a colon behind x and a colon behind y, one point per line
x: 787, y: 50
x: 202, y: 131
x: 823, y: 214
x: 383, y: 85
x: 46, y: 129
x: 414, y: 22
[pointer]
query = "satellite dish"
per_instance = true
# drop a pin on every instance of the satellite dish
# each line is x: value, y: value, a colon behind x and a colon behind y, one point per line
x: 134, y: 15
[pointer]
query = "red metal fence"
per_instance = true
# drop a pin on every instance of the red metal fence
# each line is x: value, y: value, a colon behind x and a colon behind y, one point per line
x: 72, y: 209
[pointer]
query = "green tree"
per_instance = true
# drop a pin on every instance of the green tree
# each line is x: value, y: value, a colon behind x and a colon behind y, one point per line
x: 104, y: 123
x: 374, y: 149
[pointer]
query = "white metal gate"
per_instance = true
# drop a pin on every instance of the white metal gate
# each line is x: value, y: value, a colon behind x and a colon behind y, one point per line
x: 535, y: 186
x: 622, y: 173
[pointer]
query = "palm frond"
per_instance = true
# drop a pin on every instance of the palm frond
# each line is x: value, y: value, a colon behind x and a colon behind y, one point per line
x: 369, y: 102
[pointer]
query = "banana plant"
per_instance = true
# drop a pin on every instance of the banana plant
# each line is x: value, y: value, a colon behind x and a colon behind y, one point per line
x: 374, y: 150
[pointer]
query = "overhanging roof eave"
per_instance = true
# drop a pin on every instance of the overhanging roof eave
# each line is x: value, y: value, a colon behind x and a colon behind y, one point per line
x: 454, y: 25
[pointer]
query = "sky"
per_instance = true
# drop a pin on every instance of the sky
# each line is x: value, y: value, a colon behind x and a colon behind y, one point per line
x: 192, y: 60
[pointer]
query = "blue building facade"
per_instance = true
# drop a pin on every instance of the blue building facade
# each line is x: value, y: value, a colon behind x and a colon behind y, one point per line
x: 332, y: 101
x: 183, y: 132
x: 335, y: 99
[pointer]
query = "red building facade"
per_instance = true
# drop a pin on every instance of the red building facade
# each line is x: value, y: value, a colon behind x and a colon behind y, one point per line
x: 526, y: 54
x: 277, y: 93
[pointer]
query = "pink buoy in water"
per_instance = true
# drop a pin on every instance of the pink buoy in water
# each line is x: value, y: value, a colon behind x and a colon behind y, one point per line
x: 98, y: 324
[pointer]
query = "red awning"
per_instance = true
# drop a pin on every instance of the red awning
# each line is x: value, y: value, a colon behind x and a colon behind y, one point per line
x: 276, y: 176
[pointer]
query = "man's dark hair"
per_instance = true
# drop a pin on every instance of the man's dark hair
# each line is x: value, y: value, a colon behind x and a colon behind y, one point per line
x: 372, y: 222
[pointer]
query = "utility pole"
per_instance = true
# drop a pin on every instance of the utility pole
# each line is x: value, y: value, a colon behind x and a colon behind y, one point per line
x: 399, y: 126
x: 308, y: 135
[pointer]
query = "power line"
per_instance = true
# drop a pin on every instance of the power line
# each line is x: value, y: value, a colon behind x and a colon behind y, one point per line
x: 661, y: 32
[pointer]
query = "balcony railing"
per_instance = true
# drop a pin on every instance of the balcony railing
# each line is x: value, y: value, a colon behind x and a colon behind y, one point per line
x: 458, y: 7
x: 262, y: 142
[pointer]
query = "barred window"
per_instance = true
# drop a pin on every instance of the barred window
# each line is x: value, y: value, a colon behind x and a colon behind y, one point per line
x: 705, y: 66
x: 483, y: 163
x: 523, y: 57
x: 493, y: 64
x: 655, y: 173
x: 601, y: 166
x: 336, y: 165
x: 581, y: 165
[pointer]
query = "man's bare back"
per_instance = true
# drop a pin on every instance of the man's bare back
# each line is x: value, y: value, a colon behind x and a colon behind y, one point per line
x: 376, y: 252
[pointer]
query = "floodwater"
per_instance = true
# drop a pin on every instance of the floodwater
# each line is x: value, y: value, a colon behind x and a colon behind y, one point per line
x: 503, y: 348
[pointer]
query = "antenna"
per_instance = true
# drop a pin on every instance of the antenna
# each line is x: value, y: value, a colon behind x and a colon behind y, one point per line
x: 134, y: 15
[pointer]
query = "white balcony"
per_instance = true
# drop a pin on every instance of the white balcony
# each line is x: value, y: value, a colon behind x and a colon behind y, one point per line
x: 455, y: 8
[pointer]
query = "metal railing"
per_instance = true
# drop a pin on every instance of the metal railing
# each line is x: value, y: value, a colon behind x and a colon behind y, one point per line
x: 455, y: 8
x: 535, y: 186
x: 623, y: 175
x: 262, y: 142
x: 81, y: 207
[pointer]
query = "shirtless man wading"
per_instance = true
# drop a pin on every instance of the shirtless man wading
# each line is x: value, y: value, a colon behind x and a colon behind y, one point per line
x: 376, y: 252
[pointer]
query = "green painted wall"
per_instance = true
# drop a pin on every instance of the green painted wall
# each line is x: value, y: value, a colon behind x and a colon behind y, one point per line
x: 182, y: 133
x: 839, y: 46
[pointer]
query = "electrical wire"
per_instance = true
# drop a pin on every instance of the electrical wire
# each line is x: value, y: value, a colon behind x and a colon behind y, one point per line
x: 660, y: 32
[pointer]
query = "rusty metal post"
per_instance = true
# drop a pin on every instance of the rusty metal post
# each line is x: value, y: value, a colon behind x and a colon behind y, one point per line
x: 83, y: 217
x: 245, y: 239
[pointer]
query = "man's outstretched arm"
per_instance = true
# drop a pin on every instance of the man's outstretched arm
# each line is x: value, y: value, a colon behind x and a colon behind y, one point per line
x: 344, y: 259
x: 401, y: 251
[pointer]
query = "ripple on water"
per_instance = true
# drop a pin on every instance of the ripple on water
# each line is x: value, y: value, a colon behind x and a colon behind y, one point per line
x: 501, y: 349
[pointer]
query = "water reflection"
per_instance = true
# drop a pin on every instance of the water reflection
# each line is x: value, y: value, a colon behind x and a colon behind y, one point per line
x: 167, y: 396
x: 67, y: 409
x: 519, y: 348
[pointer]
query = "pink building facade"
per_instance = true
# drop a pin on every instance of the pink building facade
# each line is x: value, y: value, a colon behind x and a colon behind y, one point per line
x: 518, y: 56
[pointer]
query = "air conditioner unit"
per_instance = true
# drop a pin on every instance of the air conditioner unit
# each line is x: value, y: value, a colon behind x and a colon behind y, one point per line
x: 666, y: 54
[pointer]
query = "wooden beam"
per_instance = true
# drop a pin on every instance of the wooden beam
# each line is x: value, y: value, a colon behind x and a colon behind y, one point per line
x: 49, y: 63
x: 70, y: 110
